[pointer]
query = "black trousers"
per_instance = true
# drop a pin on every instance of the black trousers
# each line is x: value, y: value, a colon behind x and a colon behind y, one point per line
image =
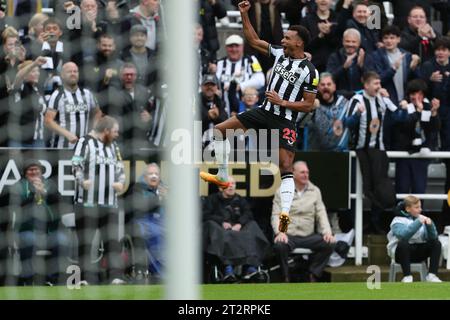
x: 318, y: 259
x: 374, y: 167
x: 88, y: 220
x: 405, y: 253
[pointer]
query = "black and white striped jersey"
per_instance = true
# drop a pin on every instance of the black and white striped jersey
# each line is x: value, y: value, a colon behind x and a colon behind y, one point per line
x: 100, y: 164
x: 290, y: 78
x: 73, y: 111
x: 369, y: 133
x: 246, y: 72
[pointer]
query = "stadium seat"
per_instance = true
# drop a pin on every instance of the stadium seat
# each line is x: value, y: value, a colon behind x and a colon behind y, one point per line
x: 420, y: 267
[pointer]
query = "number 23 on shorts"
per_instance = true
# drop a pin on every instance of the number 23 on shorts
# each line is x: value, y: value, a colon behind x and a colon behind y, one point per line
x: 290, y: 135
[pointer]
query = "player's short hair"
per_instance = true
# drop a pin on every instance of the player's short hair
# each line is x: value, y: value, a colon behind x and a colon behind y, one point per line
x: 369, y: 76
x: 302, y: 32
x: 409, y: 201
x: 105, y: 123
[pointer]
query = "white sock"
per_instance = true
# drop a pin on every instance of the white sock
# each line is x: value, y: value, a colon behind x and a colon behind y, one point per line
x: 222, y: 151
x: 287, y: 190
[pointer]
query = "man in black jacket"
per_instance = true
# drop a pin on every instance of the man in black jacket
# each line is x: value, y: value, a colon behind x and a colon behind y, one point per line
x: 208, y: 11
x: 131, y: 104
x: 211, y: 106
x: 347, y: 64
x: 418, y: 133
x: 231, y: 234
x: 418, y: 38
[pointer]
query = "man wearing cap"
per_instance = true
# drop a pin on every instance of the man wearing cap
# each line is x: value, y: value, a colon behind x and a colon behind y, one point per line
x: 211, y: 107
x: 147, y: 15
x: 142, y: 57
x: 38, y: 207
x: 237, y: 72
x: 307, y: 211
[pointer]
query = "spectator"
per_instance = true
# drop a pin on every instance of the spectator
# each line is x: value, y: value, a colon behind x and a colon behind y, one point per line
x: 249, y: 99
x: 114, y: 16
x: 265, y: 18
x: 402, y: 10
x: 231, y: 234
x: 326, y: 131
x: 418, y: 38
x: 82, y: 39
x: 147, y: 210
x: 70, y: 109
x: 367, y: 112
x: 307, y: 211
x: 418, y: 133
x: 395, y: 66
x: 344, y: 8
x: 347, y: 64
x: 147, y: 14
x: 205, y: 63
x: 26, y: 117
x: 104, y: 70
x: 322, y: 25
x: 13, y: 55
x: 436, y: 73
x: 142, y: 57
x: 212, y: 109
x: 209, y: 10
x: 237, y: 72
x: 38, y: 207
x: 131, y: 104
x: 295, y: 11
x: 413, y: 238
x: 370, y: 37
x: 35, y: 38
x: 96, y: 193
x: 53, y: 49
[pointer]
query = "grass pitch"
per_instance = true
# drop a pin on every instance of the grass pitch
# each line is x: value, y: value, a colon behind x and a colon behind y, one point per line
x: 293, y: 291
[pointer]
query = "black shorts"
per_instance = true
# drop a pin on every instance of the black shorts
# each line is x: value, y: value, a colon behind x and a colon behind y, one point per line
x: 259, y: 118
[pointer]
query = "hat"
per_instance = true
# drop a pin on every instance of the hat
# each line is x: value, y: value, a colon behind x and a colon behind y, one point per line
x: 31, y: 163
x: 138, y: 28
x: 210, y: 78
x: 234, y: 39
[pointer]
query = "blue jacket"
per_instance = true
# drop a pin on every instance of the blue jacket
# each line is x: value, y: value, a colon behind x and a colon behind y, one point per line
x: 379, y: 62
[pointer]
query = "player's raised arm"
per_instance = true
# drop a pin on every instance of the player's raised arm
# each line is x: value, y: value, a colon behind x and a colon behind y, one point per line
x: 249, y: 32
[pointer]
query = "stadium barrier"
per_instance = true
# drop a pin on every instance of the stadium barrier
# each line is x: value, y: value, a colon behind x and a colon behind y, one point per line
x: 358, y: 195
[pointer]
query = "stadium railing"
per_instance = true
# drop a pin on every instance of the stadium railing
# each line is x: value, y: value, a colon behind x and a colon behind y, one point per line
x: 358, y: 195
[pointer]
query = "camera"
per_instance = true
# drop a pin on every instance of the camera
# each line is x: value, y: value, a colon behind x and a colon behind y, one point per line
x: 51, y: 37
